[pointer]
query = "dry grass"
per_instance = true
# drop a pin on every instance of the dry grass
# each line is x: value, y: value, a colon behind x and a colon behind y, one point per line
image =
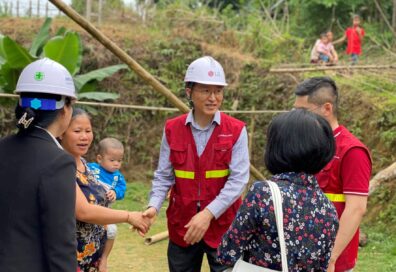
x: 131, y: 254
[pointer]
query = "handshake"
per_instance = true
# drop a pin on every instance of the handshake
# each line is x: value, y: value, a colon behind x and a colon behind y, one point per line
x: 195, y: 228
x: 141, y: 221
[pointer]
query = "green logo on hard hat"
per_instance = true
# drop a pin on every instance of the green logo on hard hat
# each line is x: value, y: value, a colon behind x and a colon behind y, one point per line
x: 39, y: 76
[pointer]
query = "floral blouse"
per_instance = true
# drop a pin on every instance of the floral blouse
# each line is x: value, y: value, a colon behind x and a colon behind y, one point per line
x: 309, y: 219
x: 90, y: 237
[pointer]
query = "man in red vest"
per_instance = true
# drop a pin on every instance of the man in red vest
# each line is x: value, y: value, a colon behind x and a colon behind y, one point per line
x: 345, y: 180
x: 204, y: 161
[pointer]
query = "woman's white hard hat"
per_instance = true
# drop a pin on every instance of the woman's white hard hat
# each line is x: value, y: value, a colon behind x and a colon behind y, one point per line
x: 206, y: 70
x: 46, y: 76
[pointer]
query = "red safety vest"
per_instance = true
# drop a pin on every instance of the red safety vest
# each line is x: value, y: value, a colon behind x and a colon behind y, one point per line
x: 198, y: 180
x: 330, y: 181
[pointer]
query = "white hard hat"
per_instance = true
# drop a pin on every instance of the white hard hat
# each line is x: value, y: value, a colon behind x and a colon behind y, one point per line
x: 46, y: 76
x: 205, y: 70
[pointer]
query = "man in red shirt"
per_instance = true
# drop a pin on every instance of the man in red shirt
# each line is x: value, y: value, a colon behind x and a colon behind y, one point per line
x: 345, y: 180
x: 354, y: 36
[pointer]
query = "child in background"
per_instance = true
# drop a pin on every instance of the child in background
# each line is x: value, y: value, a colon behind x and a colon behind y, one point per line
x: 107, y: 171
x: 354, y: 36
x: 323, y: 51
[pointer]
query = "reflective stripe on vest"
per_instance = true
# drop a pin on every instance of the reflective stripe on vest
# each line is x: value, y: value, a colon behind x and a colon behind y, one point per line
x: 184, y: 174
x: 336, y: 197
x: 208, y: 174
x: 217, y: 173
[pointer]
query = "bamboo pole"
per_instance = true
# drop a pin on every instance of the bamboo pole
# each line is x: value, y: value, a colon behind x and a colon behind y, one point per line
x: 151, y: 108
x: 251, y: 133
x: 156, y: 238
x: 122, y: 55
x: 325, y: 68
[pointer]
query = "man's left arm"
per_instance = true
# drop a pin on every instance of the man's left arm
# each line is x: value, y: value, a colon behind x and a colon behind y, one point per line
x: 237, y: 180
x: 120, y: 188
x: 355, y: 173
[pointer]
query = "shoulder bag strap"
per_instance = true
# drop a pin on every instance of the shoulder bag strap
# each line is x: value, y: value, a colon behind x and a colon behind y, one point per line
x: 277, y: 199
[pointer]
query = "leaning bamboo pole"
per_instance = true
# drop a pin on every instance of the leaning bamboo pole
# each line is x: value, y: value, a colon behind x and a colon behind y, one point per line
x: 139, y: 70
x: 151, y: 108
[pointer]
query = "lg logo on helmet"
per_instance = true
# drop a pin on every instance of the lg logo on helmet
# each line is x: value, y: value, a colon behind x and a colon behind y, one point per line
x: 212, y: 74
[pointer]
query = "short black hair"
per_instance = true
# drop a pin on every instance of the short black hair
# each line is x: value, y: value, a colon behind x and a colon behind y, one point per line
x: 319, y: 90
x: 298, y: 141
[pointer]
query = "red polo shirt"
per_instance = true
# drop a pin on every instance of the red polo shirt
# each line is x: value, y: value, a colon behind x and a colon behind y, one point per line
x: 354, y: 43
x: 347, y: 174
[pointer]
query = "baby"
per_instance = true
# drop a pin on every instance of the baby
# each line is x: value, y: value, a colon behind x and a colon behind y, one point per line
x: 107, y: 171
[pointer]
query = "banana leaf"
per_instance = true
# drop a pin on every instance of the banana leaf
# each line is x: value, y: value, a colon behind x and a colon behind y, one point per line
x: 17, y: 57
x: 40, y: 39
x: 67, y: 50
x: 98, y: 96
x: 98, y: 75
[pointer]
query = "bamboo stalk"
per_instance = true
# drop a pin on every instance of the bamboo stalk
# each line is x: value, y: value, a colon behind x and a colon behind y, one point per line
x: 251, y: 133
x: 156, y: 238
x: 121, y: 54
x: 150, y: 108
x: 325, y: 68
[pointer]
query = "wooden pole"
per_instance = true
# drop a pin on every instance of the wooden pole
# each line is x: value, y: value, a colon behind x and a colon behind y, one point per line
x: 156, y: 238
x: 100, y: 12
x: 251, y: 133
x: 88, y: 10
x: 30, y: 8
x: 38, y: 8
x: 123, y: 56
x: 17, y: 8
x: 325, y: 68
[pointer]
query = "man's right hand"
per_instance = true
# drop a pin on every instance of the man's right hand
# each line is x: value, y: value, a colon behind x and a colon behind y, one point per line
x: 151, y: 214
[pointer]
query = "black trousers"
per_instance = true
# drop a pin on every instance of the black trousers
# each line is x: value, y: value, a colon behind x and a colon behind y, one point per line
x: 189, y: 259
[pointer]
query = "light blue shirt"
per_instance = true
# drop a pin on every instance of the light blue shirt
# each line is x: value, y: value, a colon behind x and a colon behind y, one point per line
x: 164, y: 176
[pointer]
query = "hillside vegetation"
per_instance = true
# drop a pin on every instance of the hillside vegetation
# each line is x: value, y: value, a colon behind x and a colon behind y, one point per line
x: 173, y: 36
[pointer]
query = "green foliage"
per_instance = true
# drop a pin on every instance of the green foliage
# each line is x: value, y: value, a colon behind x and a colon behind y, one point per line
x: 99, y: 74
x: 13, y: 58
x: 8, y: 77
x: 17, y: 56
x: 41, y: 38
x: 98, y: 96
x: 66, y: 50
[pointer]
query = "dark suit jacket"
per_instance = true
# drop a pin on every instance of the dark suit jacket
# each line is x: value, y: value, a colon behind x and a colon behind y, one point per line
x: 37, y: 205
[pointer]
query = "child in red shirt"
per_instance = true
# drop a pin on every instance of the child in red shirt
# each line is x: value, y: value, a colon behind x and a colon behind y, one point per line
x: 354, y: 36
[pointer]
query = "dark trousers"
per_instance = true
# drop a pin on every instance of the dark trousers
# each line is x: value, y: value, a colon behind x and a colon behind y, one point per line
x: 189, y: 259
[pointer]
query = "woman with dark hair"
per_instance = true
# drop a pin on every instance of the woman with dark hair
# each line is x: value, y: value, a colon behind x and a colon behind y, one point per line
x: 91, y: 201
x: 37, y: 196
x: 299, y: 144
